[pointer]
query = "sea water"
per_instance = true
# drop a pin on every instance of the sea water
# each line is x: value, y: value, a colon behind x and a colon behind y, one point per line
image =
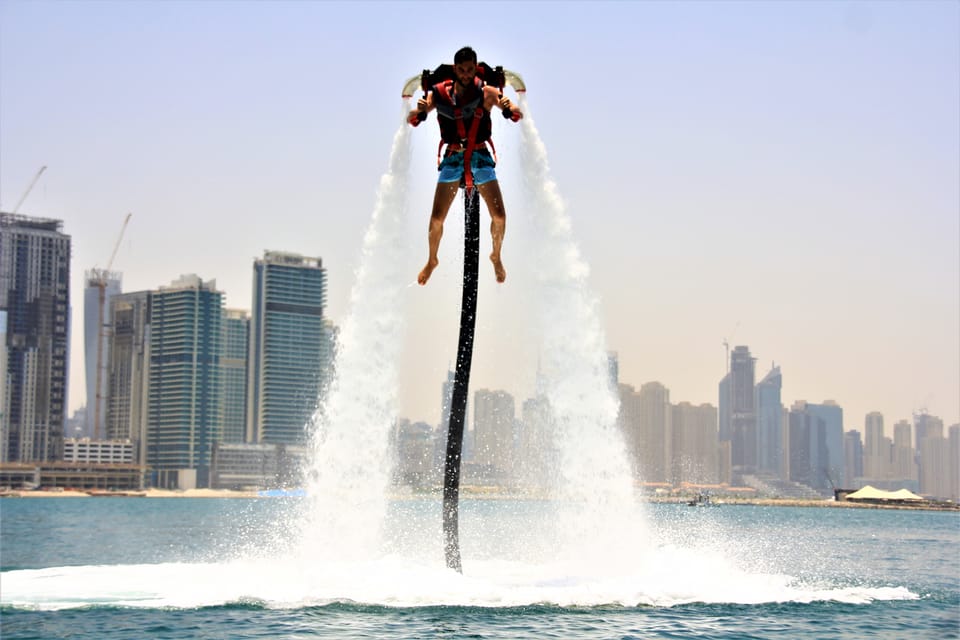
x: 349, y: 562
x: 104, y: 568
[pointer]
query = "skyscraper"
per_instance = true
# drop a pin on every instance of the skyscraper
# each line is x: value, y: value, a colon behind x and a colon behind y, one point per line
x: 853, y: 456
x: 829, y: 465
x: 953, y: 442
x: 628, y: 420
x: 494, y: 415
x: 876, y: 453
x: 129, y: 367
x: 696, y: 457
x: 236, y: 327
x: 743, y: 416
x: 904, y: 471
x: 770, y: 422
x: 654, y: 439
x: 723, y: 408
x: 931, y: 454
x: 35, y: 297
x: 101, y: 287
x: 186, y: 383
x: 290, y: 349
x: 804, y: 436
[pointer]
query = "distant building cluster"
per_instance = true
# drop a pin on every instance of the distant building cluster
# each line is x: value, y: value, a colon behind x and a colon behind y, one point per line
x: 749, y: 442
x: 753, y: 440
x: 176, y: 383
x: 183, y: 393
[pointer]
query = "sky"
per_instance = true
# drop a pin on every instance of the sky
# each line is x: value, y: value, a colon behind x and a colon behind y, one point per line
x: 781, y: 175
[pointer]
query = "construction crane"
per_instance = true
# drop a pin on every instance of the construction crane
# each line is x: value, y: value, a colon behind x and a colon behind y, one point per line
x: 100, y: 278
x: 29, y: 189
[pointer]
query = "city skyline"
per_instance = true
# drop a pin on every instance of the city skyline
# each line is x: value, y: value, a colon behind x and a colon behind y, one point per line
x: 785, y: 178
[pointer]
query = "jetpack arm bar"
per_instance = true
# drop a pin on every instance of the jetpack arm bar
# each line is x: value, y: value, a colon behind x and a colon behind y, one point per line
x: 419, y: 81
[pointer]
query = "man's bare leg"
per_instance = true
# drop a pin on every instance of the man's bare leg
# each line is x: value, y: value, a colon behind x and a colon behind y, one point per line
x: 498, y: 224
x: 442, y: 199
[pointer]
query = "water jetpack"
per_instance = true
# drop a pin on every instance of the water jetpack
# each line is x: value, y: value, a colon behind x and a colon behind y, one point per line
x: 494, y: 76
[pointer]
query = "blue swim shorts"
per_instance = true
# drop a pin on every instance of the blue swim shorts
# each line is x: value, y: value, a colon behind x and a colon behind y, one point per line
x: 481, y: 166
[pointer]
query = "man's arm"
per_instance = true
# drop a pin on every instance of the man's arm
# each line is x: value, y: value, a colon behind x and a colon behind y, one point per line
x: 424, y: 106
x: 492, y: 97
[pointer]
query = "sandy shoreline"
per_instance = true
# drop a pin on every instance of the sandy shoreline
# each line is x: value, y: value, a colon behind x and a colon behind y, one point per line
x: 146, y: 493
x: 228, y: 493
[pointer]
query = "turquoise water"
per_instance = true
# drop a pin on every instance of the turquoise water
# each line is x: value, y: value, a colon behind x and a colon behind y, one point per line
x: 229, y: 568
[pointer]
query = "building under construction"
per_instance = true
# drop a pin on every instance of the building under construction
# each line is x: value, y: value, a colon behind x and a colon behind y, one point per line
x: 34, y: 321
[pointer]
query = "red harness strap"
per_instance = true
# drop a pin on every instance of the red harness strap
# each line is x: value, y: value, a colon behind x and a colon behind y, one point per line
x: 470, y: 137
x: 471, y: 142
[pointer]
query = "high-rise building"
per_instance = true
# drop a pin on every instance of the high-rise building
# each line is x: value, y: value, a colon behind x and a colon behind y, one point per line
x: 654, y: 437
x: 876, y: 452
x: 931, y: 454
x: 816, y: 445
x: 35, y: 298
x: 828, y: 463
x: 101, y: 287
x: 628, y: 419
x: 853, y: 455
x: 494, y: 417
x: 723, y: 408
x: 770, y: 422
x: 129, y: 367
x: 742, y: 411
x: 804, y: 433
x: 414, y: 444
x: 236, y: 327
x: 696, y: 454
x: 953, y: 437
x: 903, y: 462
x: 186, y: 383
x: 290, y: 347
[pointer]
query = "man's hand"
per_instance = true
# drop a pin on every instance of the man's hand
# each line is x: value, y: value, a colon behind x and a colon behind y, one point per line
x: 509, y: 110
x: 419, y: 114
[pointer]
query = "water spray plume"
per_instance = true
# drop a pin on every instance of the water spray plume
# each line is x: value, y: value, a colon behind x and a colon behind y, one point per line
x: 349, y: 481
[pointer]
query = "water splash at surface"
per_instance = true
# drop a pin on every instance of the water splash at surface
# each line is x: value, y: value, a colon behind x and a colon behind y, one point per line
x: 398, y: 582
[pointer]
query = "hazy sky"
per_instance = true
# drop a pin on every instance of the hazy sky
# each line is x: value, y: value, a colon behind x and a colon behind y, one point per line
x: 782, y: 175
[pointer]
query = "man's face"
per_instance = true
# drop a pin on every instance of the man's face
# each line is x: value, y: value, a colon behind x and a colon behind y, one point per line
x: 466, y: 72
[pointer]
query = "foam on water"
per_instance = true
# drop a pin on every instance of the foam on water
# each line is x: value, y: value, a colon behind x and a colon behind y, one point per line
x: 398, y: 582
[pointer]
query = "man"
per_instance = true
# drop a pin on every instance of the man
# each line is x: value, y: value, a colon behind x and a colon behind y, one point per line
x: 463, y: 107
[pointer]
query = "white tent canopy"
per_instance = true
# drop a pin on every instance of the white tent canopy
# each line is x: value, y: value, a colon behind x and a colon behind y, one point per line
x: 871, y: 493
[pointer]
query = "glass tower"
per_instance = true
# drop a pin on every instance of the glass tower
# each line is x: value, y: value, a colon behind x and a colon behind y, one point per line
x: 186, y: 384
x: 235, y: 347
x: 290, y: 347
x: 770, y: 422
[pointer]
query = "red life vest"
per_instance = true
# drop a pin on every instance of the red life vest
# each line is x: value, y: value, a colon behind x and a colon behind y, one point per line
x: 456, y: 120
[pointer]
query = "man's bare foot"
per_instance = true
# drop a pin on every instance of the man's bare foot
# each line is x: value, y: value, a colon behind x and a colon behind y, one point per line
x: 427, y: 270
x: 498, y: 268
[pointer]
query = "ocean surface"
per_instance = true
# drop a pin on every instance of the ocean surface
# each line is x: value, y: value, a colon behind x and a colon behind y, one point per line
x: 105, y: 568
